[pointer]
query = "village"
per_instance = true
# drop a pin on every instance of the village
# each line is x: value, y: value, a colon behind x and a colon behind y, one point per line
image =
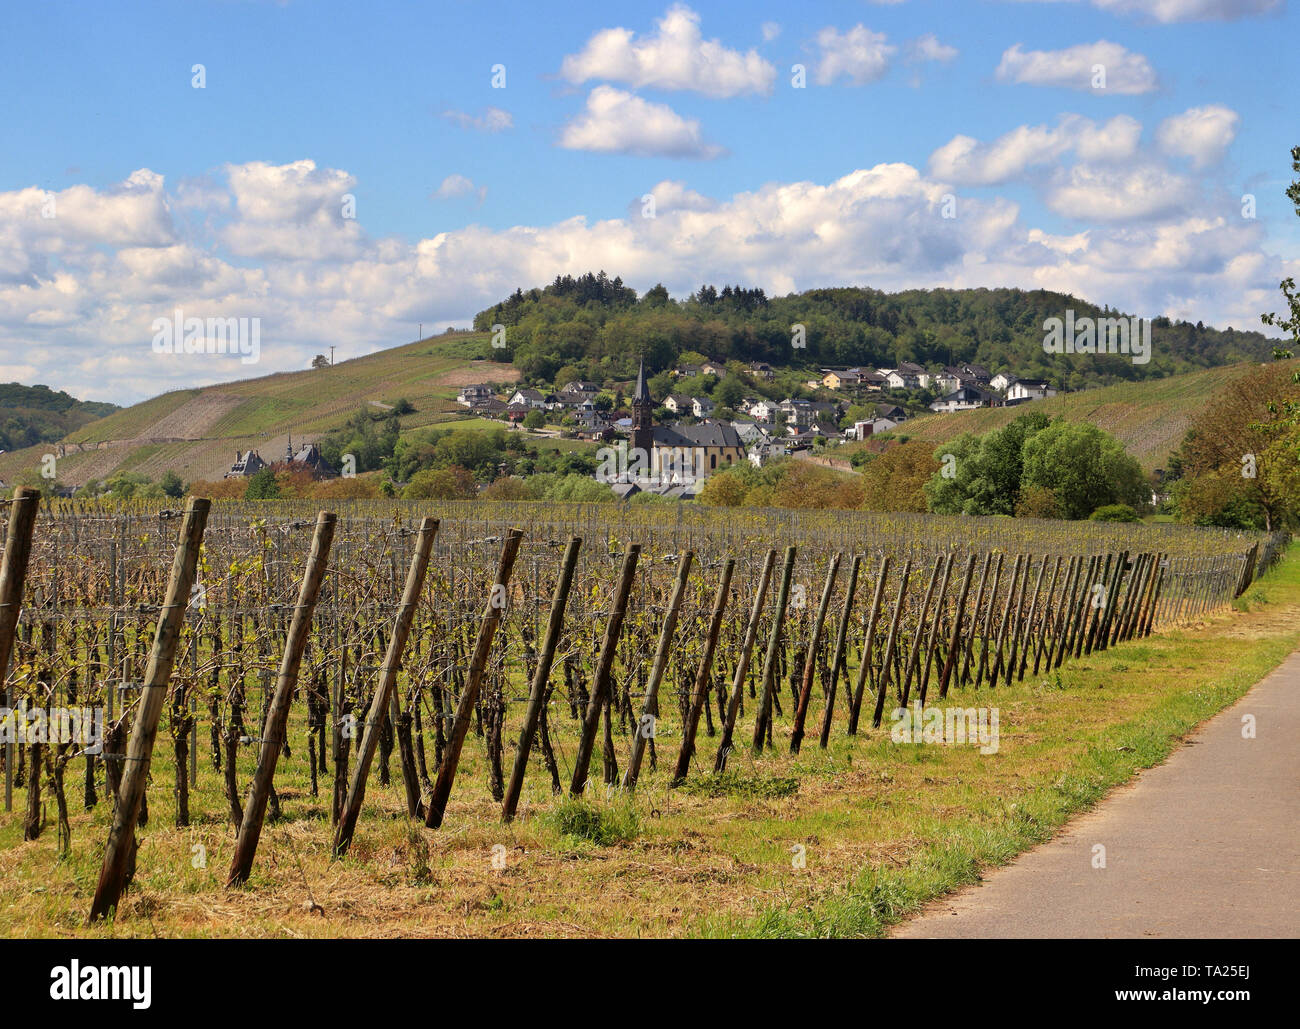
x: 679, y: 438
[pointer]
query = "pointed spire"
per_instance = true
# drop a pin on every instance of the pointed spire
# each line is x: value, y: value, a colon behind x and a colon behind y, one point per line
x: 642, y: 392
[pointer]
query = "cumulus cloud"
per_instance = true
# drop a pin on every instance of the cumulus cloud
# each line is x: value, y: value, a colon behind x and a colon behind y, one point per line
x: 928, y: 48
x: 675, y: 57
x: 859, y: 55
x: 968, y: 162
x: 1077, y: 67
x: 291, y: 212
x: 615, y: 122
x: 1149, y: 241
x: 456, y: 185
x: 493, y: 119
x: 1201, y: 133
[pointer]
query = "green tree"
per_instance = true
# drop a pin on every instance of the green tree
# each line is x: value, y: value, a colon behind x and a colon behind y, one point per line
x: 534, y: 419
x: 262, y: 486
x: 171, y: 485
x: 1084, y: 466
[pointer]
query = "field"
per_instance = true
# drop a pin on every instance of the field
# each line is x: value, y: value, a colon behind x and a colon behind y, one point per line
x: 196, y: 432
x: 1097, y: 644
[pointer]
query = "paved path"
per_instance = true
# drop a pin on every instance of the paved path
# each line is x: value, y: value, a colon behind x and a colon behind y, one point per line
x: 1205, y: 845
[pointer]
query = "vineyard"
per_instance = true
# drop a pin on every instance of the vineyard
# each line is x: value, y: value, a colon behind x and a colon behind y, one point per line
x: 444, y: 654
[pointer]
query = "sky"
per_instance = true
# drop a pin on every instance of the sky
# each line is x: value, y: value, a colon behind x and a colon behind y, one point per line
x: 346, y: 174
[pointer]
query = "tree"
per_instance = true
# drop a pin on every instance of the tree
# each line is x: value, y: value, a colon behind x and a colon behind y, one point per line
x: 1114, y: 513
x: 320, y: 361
x: 1289, y: 324
x: 534, y: 419
x: 895, y: 481
x: 1084, y: 466
x: 453, y: 483
x: 171, y: 485
x: 262, y: 486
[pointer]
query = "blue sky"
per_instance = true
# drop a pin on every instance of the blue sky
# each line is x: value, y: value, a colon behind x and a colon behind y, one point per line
x: 228, y: 200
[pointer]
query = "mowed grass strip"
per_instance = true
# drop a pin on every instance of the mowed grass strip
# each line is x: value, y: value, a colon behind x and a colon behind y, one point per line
x: 878, y: 828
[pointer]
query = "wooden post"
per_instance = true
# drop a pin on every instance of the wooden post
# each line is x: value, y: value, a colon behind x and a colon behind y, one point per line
x: 1046, y: 618
x: 954, y: 647
x: 964, y: 676
x: 923, y: 680
x: 13, y: 575
x: 1062, y: 628
x: 379, y: 703
x: 492, y: 613
x: 810, y: 665
x: 541, y: 678
x: 892, y: 641
x: 1006, y: 618
x: 604, y: 669
x: 906, y: 685
x: 742, y: 663
x: 649, y: 709
x: 703, y: 674
x: 773, y: 645
x: 841, y: 645
x: 987, y: 628
x: 119, y: 854
x: 277, y: 714
x: 1024, y: 622
x: 864, y: 668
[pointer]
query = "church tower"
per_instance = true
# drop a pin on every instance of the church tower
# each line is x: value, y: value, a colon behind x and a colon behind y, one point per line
x: 642, y: 417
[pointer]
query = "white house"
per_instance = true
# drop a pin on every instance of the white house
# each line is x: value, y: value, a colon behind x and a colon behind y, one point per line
x: 1030, y: 389
x: 965, y: 399
x: 764, y: 411
x: 474, y: 394
x: 702, y: 407
x: 529, y: 398
x: 1002, y: 381
x: 678, y: 403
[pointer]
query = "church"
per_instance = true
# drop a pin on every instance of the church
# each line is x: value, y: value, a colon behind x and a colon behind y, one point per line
x: 679, y: 453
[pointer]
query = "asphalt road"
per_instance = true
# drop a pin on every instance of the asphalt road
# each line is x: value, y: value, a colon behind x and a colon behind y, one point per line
x: 1206, y: 845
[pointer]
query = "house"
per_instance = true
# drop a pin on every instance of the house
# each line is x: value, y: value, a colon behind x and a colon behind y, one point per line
x: 517, y: 412
x: 844, y: 378
x: 718, y: 368
x: 580, y: 386
x: 571, y: 399
x: 763, y: 411
x: 309, y: 457
x: 1002, y: 381
x: 977, y: 372
x: 529, y: 398
x: 702, y: 407
x: 247, y: 463
x: 751, y: 433
x: 473, y: 394
x: 891, y: 411
x: 688, y: 371
x: 492, y: 407
x: 873, y: 381
x: 678, y: 403
x: 965, y: 399
x: 761, y: 370
x: 761, y: 453
x: 1030, y: 389
x: 906, y: 376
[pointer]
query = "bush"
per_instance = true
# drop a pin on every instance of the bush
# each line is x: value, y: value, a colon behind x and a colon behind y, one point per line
x: 603, y: 826
x: 1114, y: 513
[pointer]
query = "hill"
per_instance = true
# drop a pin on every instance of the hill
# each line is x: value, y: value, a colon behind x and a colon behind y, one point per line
x: 196, y: 432
x: 1149, y: 418
x: 594, y: 327
x: 37, y: 414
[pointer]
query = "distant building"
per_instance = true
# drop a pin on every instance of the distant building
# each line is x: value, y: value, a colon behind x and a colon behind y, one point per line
x: 247, y: 463
x: 1030, y: 389
x: 474, y: 394
x: 965, y: 399
x: 309, y: 457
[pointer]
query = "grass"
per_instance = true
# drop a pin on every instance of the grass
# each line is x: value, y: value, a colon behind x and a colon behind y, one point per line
x: 842, y: 842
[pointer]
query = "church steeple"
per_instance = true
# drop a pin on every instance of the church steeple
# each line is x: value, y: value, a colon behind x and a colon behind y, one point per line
x: 642, y: 415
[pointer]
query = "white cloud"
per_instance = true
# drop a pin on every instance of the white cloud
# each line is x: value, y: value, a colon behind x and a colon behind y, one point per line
x: 1078, y: 67
x: 493, y: 119
x: 968, y: 162
x: 771, y: 30
x: 1201, y: 133
x: 928, y: 48
x: 457, y: 185
x: 616, y: 122
x: 1111, y: 195
x: 79, y: 317
x: 859, y: 55
x: 675, y: 57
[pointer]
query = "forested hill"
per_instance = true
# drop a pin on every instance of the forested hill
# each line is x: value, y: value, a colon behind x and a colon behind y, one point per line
x: 597, y: 327
x: 38, y: 414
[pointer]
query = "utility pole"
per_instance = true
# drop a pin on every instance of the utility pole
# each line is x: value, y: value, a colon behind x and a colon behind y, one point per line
x: 331, y: 356
x: 421, y: 335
